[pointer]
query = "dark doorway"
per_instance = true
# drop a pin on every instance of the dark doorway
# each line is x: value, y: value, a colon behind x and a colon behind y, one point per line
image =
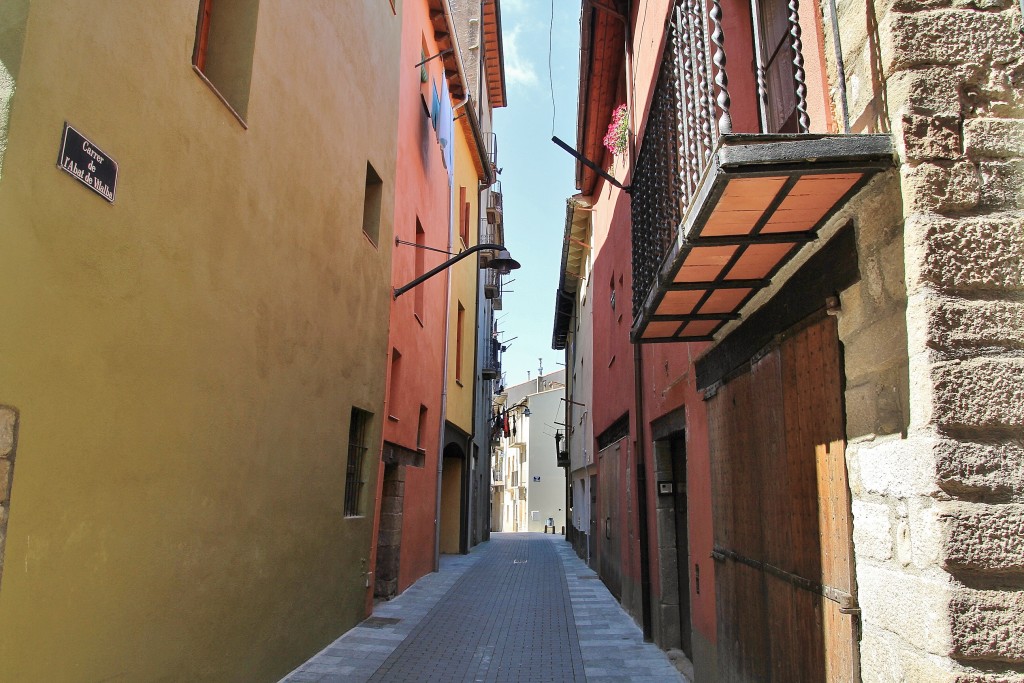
x: 591, y: 537
x: 677, y: 452
x: 453, y: 500
x: 610, y: 544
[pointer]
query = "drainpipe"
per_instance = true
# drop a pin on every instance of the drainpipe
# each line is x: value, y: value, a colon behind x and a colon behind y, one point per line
x: 645, y: 579
x: 444, y: 389
x: 638, y: 368
x: 478, y: 399
x: 642, y: 476
x: 841, y: 67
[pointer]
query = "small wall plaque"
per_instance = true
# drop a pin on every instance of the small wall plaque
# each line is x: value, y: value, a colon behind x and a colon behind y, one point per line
x: 665, y: 488
x: 87, y: 163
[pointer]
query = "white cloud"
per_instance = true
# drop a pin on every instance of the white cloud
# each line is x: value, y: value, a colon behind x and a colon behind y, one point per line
x: 513, y: 6
x: 518, y: 70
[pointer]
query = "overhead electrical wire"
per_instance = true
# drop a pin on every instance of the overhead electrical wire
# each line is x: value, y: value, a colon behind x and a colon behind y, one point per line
x: 551, y: 84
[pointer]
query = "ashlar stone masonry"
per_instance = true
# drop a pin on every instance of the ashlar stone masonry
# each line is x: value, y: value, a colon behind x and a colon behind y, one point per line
x: 939, y: 504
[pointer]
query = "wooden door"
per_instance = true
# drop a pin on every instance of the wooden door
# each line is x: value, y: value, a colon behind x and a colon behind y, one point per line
x: 592, y: 533
x: 677, y: 450
x: 609, y: 543
x: 784, y: 576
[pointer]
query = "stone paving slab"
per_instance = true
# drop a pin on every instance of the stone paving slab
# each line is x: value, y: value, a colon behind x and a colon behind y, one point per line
x: 521, y: 607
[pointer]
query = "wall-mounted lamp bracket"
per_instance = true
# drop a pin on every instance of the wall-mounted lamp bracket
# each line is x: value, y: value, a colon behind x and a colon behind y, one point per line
x: 423, y: 246
x: 439, y: 54
x: 591, y: 165
x: 503, y: 263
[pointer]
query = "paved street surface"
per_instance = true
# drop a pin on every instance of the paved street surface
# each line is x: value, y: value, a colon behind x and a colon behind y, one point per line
x: 521, y: 607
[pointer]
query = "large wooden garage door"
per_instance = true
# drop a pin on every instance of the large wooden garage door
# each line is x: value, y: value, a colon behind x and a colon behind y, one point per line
x: 784, y: 577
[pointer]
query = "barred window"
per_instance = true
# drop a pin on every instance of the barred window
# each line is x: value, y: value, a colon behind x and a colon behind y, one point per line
x: 354, y: 474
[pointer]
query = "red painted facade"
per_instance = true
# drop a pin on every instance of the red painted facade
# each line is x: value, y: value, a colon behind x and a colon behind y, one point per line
x: 621, y: 64
x: 669, y: 385
x: 417, y: 319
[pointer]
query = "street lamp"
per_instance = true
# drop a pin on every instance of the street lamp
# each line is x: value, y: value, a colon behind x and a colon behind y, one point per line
x: 503, y: 263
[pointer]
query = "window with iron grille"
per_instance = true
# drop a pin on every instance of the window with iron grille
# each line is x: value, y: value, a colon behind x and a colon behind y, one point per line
x: 354, y: 472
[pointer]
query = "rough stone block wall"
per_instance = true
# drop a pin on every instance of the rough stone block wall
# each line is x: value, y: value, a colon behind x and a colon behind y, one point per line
x: 939, y: 510
x: 8, y: 446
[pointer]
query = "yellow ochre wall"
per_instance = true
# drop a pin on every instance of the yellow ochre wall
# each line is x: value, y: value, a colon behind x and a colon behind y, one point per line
x: 459, y: 410
x: 185, y: 360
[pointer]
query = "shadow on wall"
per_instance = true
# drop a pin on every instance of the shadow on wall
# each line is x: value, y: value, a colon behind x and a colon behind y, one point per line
x: 13, y: 20
x: 873, y: 320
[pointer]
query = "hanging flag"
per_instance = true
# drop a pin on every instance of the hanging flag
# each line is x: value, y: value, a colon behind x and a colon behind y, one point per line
x: 446, y: 130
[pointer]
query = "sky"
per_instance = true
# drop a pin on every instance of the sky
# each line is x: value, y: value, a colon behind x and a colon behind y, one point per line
x: 537, y: 177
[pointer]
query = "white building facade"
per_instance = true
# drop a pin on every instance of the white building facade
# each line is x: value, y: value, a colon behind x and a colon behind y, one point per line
x: 529, y: 486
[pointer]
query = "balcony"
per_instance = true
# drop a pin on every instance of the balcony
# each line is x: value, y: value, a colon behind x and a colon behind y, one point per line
x: 491, y: 152
x: 490, y: 366
x: 494, y: 208
x: 718, y: 208
x: 492, y: 283
x: 492, y: 227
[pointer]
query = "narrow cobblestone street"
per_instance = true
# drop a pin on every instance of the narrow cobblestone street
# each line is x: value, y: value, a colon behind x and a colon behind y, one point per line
x: 521, y: 607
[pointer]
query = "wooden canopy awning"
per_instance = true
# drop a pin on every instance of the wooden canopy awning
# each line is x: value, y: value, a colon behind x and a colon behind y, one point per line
x: 760, y: 201
x: 494, y: 54
x: 575, y: 248
x: 439, y: 22
x: 602, y: 36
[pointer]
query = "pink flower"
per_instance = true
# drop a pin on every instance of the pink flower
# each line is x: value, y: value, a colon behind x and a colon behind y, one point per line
x: 615, y: 140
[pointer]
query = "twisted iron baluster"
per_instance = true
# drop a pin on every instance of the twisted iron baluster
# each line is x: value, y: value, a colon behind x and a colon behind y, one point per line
x: 759, y: 66
x: 702, y: 83
x: 684, y: 78
x: 798, y: 66
x: 721, y: 77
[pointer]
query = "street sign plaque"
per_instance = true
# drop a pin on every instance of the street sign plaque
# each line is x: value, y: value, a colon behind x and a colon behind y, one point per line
x: 87, y: 163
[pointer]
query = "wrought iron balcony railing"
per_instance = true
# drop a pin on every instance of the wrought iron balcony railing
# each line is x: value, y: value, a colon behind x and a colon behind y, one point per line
x: 716, y: 212
x: 490, y: 366
x: 492, y: 228
x: 492, y: 283
x: 494, y: 206
x: 491, y: 147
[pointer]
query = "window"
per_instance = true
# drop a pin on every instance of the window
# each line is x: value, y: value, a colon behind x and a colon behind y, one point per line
x: 223, y: 53
x: 424, y: 76
x: 371, y: 204
x: 393, y: 385
x: 460, y: 323
x: 780, y: 74
x: 463, y: 217
x: 421, y: 242
x: 421, y: 430
x: 354, y: 474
